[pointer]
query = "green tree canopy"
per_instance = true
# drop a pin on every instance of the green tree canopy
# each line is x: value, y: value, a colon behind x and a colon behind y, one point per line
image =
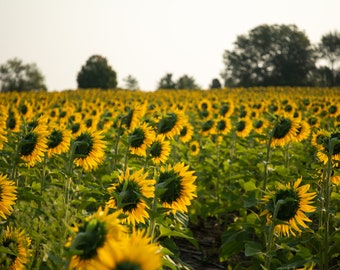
x: 186, y: 82
x: 215, y: 84
x: 270, y: 55
x: 17, y: 76
x: 131, y: 83
x: 97, y: 73
x: 166, y: 82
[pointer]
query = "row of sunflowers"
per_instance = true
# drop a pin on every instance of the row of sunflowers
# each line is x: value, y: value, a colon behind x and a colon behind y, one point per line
x: 94, y: 179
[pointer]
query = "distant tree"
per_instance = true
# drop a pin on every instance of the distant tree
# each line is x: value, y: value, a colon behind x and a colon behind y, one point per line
x: 131, y: 83
x: 186, y: 82
x: 270, y: 55
x: 215, y: 83
x: 16, y: 76
x: 329, y: 50
x: 166, y: 82
x: 97, y: 73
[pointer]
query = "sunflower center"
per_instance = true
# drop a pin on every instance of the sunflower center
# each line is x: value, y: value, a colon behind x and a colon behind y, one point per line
x: 84, y: 145
x: 282, y: 128
x: 54, y: 139
x: 89, y: 238
x: 240, y: 126
x: 11, y: 122
x: 167, y: 123
x: 206, y: 126
x: 193, y: 147
x: 129, y: 194
x: 172, y: 182
x: 312, y: 121
x: 137, y: 137
x: 258, y: 124
x: 184, y: 131
x: 290, y: 204
x: 156, y: 149
x: 23, y: 109
x: 75, y: 127
x: 335, y: 136
x: 128, y: 119
x: 224, y: 109
x: 127, y: 265
x: 221, y: 125
x: 28, y: 144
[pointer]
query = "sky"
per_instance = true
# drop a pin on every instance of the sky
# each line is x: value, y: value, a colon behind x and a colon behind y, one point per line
x: 145, y: 38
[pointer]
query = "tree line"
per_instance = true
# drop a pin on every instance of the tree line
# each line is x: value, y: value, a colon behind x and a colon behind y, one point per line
x: 268, y: 55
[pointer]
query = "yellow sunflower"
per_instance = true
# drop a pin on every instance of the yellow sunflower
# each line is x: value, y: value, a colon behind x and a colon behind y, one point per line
x: 8, y: 196
x: 222, y: 126
x: 194, y: 148
x: 179, y: 186
x: 159, y: 150
x: 284, y: 131
x: 324, y: 147
x: 208, y: 127
x: 227, y: 108
x: 13, y: 121
x: 135, y: 114
x: 90, y: 245
x: 140, y: 138
x: 18, y: 243
x: 243, y: 127
x: 3, y: 131
x: 58, y: 141
x: 129, y: 194
x: 295, y: 201
x: 302, y: 133
x: 171, y: 124
x: 89, y: 150
x: 136, y: 251
x: 186, y: 132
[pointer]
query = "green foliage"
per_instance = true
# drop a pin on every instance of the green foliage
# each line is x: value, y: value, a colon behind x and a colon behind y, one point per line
x: 17, y: 76
x: 97, y: 73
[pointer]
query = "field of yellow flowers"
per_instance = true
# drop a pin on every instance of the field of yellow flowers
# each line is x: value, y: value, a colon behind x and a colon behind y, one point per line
x: 94, y: 179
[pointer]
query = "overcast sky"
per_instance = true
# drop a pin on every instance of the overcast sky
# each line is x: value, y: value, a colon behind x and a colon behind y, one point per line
x: 145, y: 38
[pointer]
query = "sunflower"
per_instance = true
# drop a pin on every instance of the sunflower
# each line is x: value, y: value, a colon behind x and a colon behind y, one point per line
x: 134, y: 116
x: 171, y: 124
x: 129, y: 195
x: 179, y: 186
x: 140, y: 138
x: 89, y: 149
x: 186, y: 132
x: 324, y: 148
x: 90, y: 245
x: 194, y: 148
x: 302, y: 133
x: 33, y: 144
x: 136, y: 251
x: 227, y: 108
x: 294, y: 203
x: 222, y: 126
x: 13, y: 121
x: 3, y: 132
x: 284, y: 131
x: 8, y: 196
x: 18, y: 243
x: 243, y: 127
x: 58, y: 141
x: 159, y: 150
x: 208, y: 127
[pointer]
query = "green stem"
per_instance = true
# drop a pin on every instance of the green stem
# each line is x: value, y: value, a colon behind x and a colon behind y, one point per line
x: 266, y: 163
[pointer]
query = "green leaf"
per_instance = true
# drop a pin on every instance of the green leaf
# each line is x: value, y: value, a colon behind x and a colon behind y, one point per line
x: 252, y: 248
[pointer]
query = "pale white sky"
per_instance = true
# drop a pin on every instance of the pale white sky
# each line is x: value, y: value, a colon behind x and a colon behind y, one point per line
x: 145, y: 38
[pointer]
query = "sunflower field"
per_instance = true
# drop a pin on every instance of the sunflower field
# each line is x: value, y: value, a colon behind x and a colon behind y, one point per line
x: 117, y: 179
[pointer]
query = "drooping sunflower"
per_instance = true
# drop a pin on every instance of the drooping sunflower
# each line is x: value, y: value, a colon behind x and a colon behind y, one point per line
x: 129, y: 193
x: 186, y: 132
x: 178, y: 182
x: 324, y: 148
x: 294, y: 201
x: 140, y: 138
x: 194, y: 148
x: 89, y: 149
x: 136, y: 251
x: 8, y: 196
x: 284, y: 131
x: 90, y: 247
x: 33, y: 144
x: 171, y: 124
x: 159, y: 150
x: 17, y: 241
x: 58, y: 141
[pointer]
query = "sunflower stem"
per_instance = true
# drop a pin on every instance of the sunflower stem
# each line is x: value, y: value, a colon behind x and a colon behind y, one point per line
x: 266, y: 163
x: 119, y: 133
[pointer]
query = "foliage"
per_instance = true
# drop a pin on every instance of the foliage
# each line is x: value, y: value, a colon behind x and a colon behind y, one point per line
x: 97, y: 73
x: 131, y: 83
x: 186, y: 82
x: 215, y: 84
x: 166, y: 82
x: 17, y: 76
x: 269, y: 55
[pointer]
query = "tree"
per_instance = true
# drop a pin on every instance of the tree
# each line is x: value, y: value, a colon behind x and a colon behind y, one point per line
x: 97, y: 73
x: 166, y: 82
x: 131, y: 83
x: 186, y: 82
x: 329, y: 50
x: 16, y: 76
x: 270, y: 55
x: 215, y: 84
